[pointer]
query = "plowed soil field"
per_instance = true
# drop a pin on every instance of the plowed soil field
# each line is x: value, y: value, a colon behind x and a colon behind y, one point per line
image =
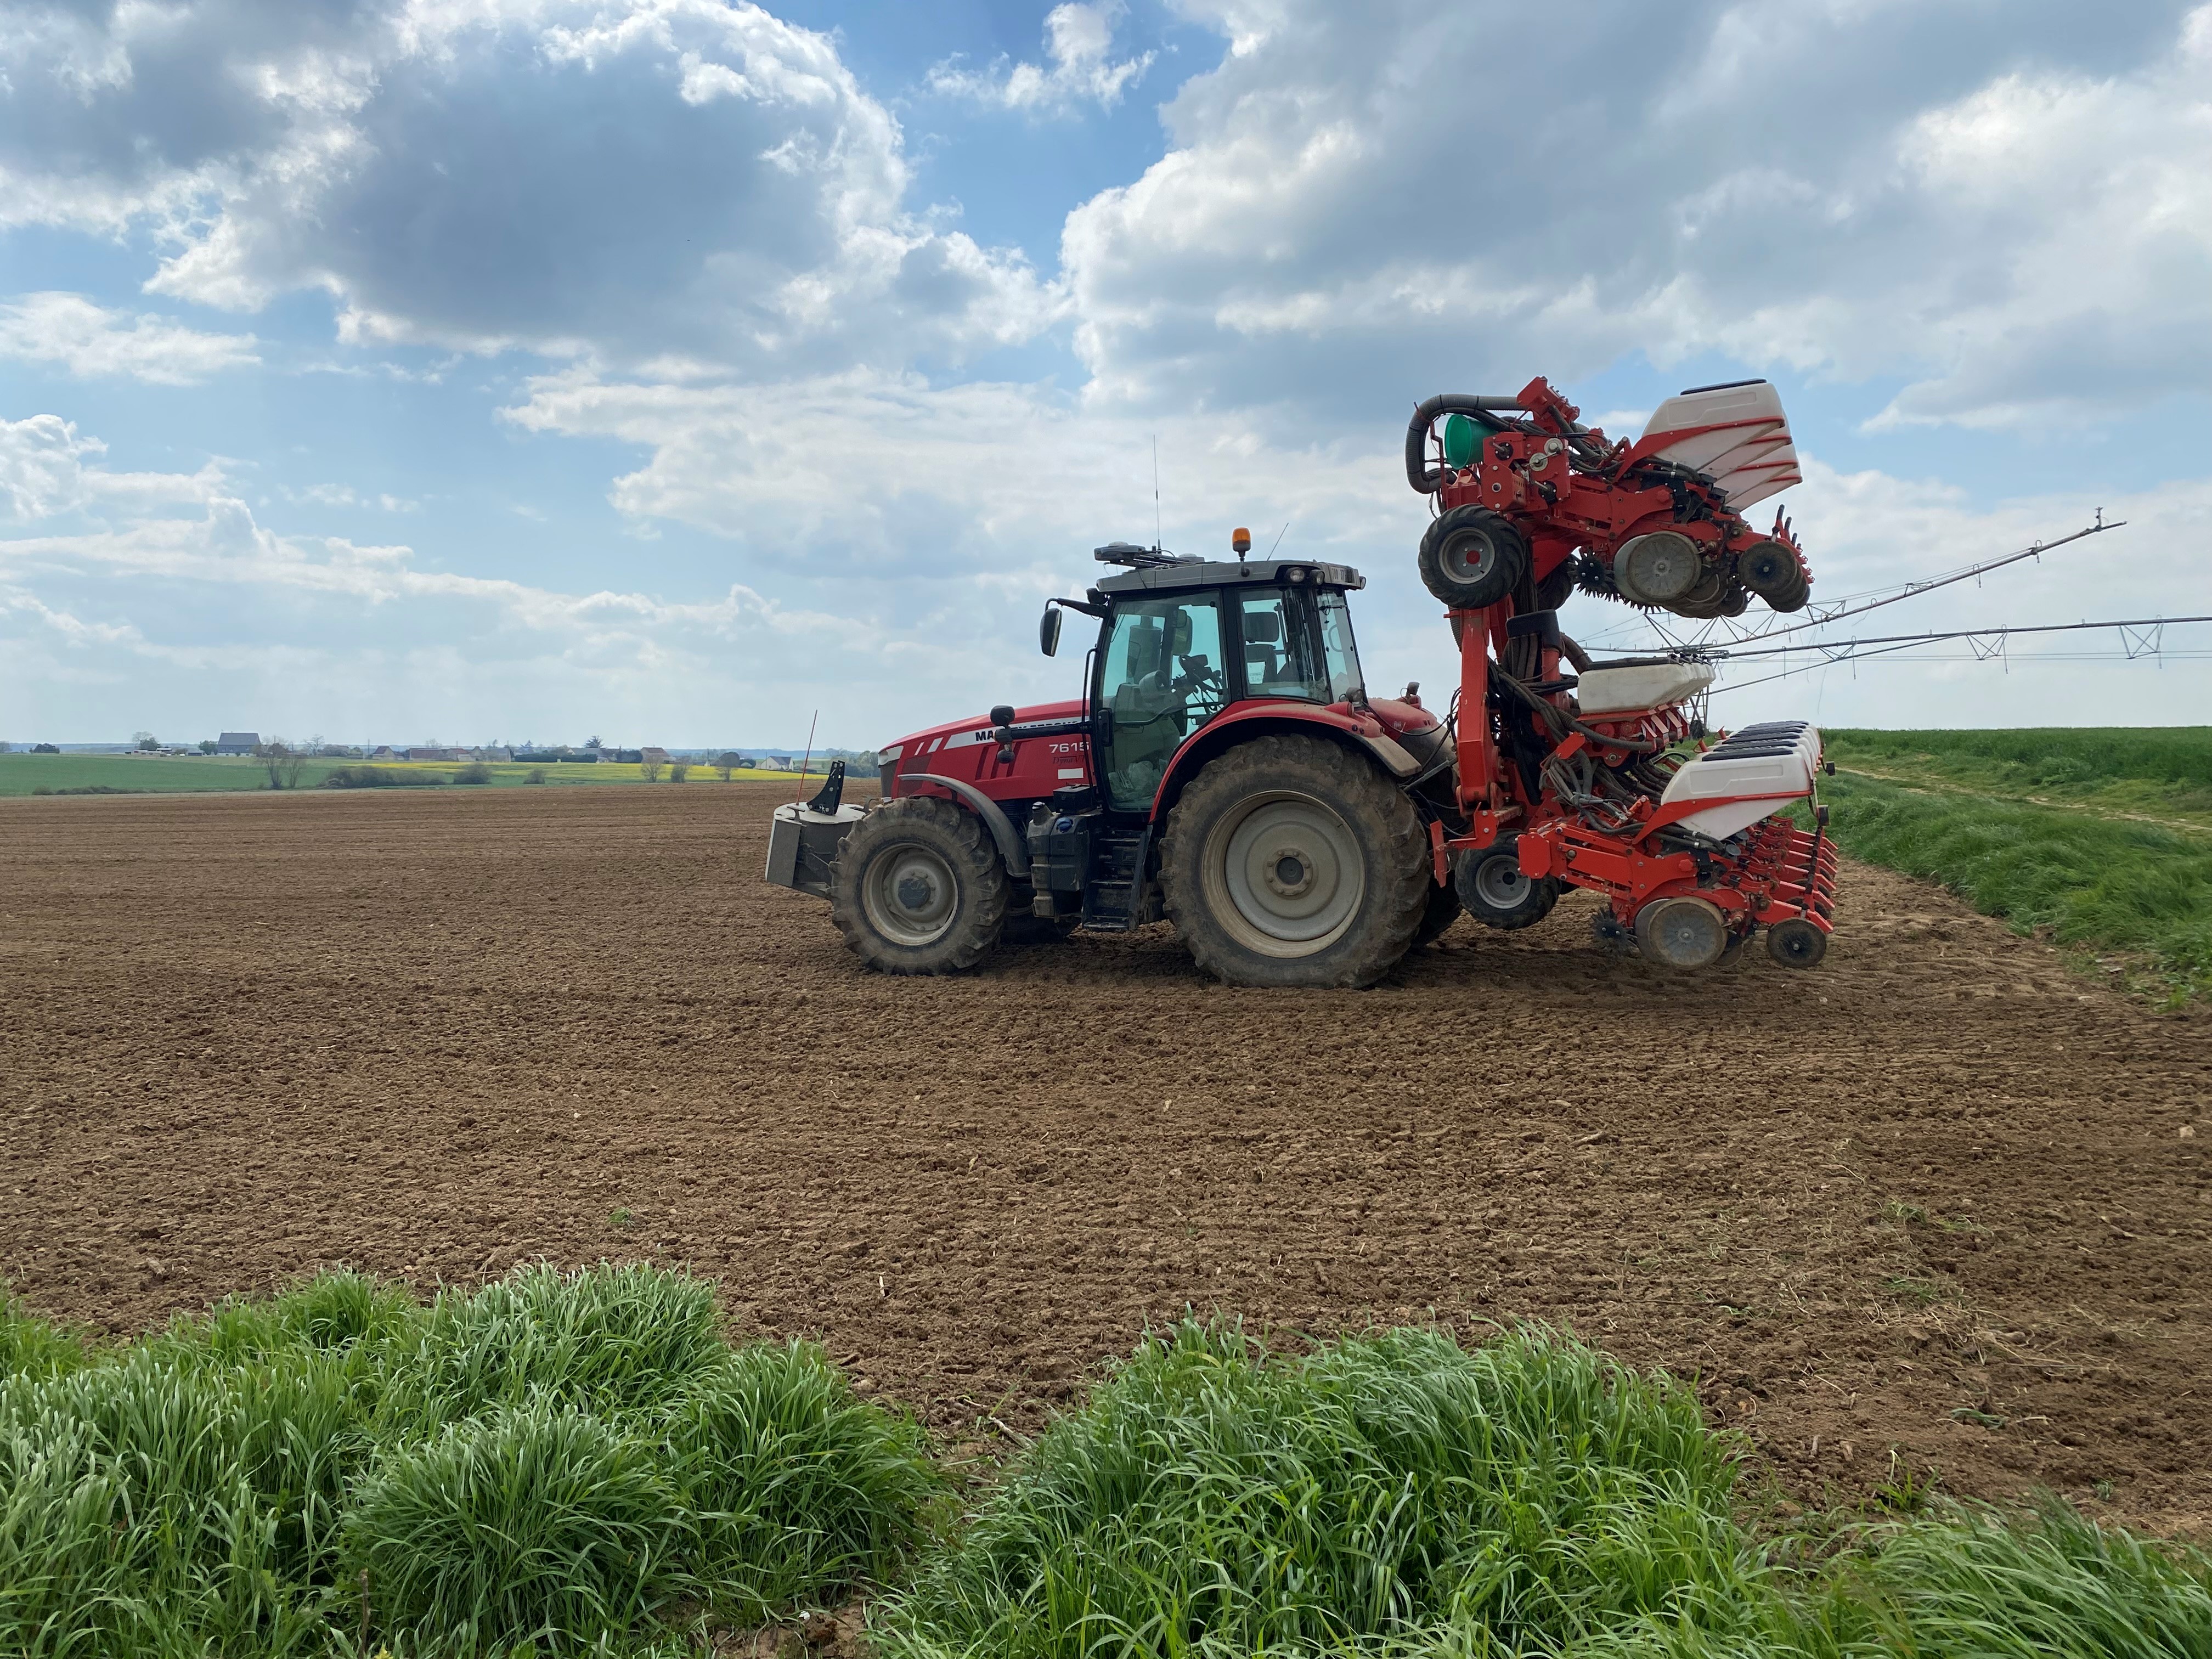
x: 1938, y: 1203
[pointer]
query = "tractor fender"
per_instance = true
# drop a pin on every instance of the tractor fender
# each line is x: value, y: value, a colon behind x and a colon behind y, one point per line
x: 1236, y: 726
x: 1012, y: 852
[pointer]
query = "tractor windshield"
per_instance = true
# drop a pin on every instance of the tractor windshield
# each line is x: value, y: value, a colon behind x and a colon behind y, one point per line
x: 1297, y: 643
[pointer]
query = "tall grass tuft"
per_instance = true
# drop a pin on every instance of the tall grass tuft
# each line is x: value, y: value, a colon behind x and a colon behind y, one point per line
x: 1952, y: 1582
x: 1388, y: 1489
x: 34, y: 1347
x: 556, y: 1458
x: 149, y: 1501
x: 540, y: 1523
x: 605, y: 1338
x: 799, y: 1490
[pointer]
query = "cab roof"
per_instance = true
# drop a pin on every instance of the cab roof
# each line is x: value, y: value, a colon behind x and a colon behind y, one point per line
x: 1154, y: 578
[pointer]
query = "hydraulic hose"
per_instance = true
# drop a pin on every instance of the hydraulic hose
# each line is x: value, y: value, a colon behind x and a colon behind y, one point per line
x: 1419, y: 473
x: 1562, y: 723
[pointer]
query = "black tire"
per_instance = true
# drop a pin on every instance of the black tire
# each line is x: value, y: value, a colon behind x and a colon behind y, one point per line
x: 918, y: 888
x: 1493, y: 890
x: 1471, y: 557
x: 1797, y: 943
x: 1442, y: 910
x: 1290, y: 861
x: 1768, y: 568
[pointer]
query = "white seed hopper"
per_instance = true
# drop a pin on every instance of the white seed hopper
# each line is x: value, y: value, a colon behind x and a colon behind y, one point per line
x: 1735, y: 434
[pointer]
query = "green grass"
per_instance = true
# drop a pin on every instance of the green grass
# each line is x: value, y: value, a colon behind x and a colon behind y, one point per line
x: 2138, y: 891
x: 577, y: 1461
x: 2161, y: 771
x: 20, y: 774
x: 1394, y: 1494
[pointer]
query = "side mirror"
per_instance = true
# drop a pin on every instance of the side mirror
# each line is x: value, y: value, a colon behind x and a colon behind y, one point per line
x: 1048, y: 630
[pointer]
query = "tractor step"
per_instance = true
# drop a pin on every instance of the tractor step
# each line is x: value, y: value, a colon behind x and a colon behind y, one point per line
x: 1116, y: 898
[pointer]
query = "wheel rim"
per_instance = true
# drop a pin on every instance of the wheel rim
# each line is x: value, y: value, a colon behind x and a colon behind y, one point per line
x: 1469, y: 556
x: 1499, y: 884
x: 910, y: 895
x: 1661, y: 566
x: 1284, y: 874
x: 1682, y: 932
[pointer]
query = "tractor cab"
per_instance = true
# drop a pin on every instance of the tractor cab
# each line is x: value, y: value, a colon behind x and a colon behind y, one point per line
x: 1183, y: 642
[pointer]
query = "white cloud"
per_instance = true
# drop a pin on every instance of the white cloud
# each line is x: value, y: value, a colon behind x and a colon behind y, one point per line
x: 1080, y: 44
x: 89, y: 339
x: 665, y: 178
x: 2015, y: 223
x: 46, y: 469
x: 329, y: 494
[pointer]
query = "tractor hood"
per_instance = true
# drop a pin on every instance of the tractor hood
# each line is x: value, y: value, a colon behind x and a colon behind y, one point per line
x: 975, y: 729
x: 1399, y: 718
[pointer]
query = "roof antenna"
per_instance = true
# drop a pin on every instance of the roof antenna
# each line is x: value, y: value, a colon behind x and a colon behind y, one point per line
x: 1156, y: 493
x: 1277, y: 542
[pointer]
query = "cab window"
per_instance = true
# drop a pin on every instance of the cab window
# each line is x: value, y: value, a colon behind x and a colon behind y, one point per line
x: 1160, y: 679
x: 1296, y: 643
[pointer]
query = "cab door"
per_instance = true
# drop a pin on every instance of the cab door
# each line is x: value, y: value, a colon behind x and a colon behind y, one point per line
x: 1162, y: 674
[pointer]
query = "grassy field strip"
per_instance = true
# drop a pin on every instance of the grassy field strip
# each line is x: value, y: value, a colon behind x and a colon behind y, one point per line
x: 1921, y: 780
x: 580, y: 1462
x: 2131, y: 900
x: 2163, y: 772
x: 26, y: 775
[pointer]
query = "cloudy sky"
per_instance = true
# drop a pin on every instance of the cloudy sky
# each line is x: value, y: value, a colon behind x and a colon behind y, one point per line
x: 670, y: 370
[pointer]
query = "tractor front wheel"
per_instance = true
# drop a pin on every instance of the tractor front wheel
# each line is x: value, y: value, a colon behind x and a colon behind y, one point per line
x: 1291, y: 861
x: 918, y: 888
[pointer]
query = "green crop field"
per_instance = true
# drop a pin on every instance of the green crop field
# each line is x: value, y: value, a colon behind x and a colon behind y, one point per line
x: 581, y: 1462
x: 29, y: 775
x: 2098, y: 839
x: 24, y: 774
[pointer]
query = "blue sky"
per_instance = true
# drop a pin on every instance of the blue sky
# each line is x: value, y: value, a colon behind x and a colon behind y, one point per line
x: 670, y: 370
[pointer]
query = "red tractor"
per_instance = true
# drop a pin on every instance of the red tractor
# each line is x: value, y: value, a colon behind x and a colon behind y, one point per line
x: 1226, y: 769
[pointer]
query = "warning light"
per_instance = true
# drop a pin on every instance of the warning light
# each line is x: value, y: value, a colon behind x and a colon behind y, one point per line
x: 1241, y: 539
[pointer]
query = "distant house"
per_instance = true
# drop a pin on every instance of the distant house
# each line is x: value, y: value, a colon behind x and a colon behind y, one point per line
x: 427, y: 754
x: 660, y: 756
x: 777, y: 762
x: 238, y: 743
x: 384, y: 752
x: 495, y: 754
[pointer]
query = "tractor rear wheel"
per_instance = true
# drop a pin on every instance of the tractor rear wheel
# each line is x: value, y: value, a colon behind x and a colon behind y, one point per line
x: 1290, y: 861
x: 918, y: 888
x: 1471, y: 557
x: 1495, y: 891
